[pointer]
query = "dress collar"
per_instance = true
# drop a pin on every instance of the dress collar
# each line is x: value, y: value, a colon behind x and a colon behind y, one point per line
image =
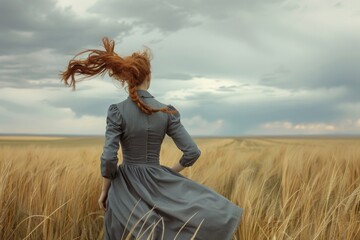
x: 144, y: 94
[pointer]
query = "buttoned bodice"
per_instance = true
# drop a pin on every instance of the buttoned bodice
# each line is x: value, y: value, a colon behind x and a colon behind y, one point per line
x: 141, y: 135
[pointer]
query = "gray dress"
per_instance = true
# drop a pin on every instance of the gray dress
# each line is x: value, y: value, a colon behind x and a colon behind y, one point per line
x: 149, y: 200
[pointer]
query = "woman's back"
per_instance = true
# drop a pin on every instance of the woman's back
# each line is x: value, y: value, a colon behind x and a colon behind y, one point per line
x: 145, y: 193
x: 141, y: 135
x: 141, y: 197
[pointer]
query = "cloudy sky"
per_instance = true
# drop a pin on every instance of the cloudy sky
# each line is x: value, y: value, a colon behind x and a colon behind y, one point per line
x: 231, y: 67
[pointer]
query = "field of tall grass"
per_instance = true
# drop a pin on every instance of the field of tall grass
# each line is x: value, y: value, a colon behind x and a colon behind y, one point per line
x: 292, y: 188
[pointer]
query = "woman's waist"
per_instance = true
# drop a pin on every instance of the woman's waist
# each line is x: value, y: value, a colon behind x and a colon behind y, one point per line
x: 154, y: 162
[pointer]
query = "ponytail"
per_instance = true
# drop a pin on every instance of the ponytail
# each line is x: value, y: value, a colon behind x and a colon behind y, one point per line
x: 132, y: 70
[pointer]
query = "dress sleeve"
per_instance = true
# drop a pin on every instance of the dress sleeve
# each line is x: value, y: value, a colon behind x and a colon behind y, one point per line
x: 182, y: 139
x: 109, y: 158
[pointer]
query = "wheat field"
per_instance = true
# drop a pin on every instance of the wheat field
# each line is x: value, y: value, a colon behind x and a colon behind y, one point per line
x: 289, y: 188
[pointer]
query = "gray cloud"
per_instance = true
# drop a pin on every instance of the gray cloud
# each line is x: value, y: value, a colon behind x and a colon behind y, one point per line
x: 38, y: 39
x: 175, y: 75
x: 83, y: 106
x: 243, y: 118
x: 148, y: 14
x: 335, y: 68
x: 178, y: 14
x: 29, y: 26
x: 291, y: 61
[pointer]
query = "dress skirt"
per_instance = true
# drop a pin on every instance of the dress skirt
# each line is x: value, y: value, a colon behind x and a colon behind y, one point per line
x: 151, y: 201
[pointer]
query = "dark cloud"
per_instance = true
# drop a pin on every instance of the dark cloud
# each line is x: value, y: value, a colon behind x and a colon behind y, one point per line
x: 30, y: 70
x: 274, y: 48
x: 148, y: 14
x: 243, y: 118
x: 29, y: 26
x: 38, y: 38
x: 173, y: 15
x: 332, y: 68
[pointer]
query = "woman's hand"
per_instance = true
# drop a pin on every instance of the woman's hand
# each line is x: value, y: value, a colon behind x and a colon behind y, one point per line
x: 102, y: 200
x: 177, y: 167
x: 104, y: 193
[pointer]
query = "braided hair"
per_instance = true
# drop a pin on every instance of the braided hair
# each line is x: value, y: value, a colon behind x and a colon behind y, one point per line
x: 131, y: 70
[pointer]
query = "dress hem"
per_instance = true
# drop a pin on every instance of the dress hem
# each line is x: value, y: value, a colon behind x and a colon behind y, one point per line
x: 235, y: 225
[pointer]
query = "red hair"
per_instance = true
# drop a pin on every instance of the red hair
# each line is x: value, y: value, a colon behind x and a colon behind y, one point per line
x: 132, y: 70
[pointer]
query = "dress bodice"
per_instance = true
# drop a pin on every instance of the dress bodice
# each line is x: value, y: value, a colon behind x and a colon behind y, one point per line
x: 141, y: 135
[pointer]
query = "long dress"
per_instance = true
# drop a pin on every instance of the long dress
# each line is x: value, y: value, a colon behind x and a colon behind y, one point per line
x: 147, y: 200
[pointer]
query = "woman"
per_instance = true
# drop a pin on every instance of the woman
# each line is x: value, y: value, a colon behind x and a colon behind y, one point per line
x: 142, y: 198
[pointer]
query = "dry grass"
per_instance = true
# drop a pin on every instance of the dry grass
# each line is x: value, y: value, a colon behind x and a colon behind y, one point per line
x: 289, y: 188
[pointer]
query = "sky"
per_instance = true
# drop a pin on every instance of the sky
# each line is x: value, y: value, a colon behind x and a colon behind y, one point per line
x: 231, y: 67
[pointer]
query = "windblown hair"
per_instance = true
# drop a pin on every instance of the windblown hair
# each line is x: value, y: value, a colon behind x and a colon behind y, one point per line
x: 132, y: 70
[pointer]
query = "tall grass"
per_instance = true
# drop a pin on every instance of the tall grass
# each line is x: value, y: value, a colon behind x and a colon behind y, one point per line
x: 288, y: 188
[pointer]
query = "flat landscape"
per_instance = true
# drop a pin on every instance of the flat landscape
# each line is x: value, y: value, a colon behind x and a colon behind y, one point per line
x: 289, y: 188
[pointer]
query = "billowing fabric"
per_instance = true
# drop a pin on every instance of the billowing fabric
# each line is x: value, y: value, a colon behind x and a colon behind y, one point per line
x: 149, y: 200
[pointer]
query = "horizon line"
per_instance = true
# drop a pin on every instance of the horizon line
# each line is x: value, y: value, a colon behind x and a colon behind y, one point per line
x: 353, y: 135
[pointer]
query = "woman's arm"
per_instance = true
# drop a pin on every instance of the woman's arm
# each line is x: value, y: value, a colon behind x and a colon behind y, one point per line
x: 177, y: 167
x: 109, y: 157
x: 106, y: 184
x: 183, y: 141
x: 104, y: 193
